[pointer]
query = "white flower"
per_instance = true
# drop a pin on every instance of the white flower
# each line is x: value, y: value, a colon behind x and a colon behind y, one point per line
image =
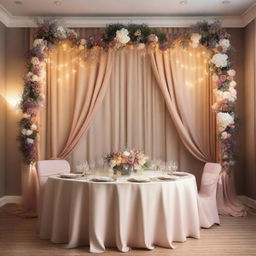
x: 35, y: 61
x: 29, y: 132
x: 195, y: 38
x: 220, y: 60
x: 30, y: 141
x: 126, y: 153
x: 232, y: 84
x: 35, y: 78
x: 33, y: 127
x: 224, y: 120
x: 231, y: 72
x: 24, y: 131
x: 225, y: 135
x: 38, y: 42
x: 122, y: 36
x: 60, y: 33
x: 224, y: 43
x: 141, y: 46
x: 142, y: 161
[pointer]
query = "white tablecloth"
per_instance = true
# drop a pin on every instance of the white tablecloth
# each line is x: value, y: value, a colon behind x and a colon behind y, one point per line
x: 119, y: 214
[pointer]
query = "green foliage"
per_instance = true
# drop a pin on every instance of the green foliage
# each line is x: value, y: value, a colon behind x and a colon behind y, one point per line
x: 139, y: 33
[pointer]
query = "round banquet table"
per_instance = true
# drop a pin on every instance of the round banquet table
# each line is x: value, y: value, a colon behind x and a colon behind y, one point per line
x: 122, y: 214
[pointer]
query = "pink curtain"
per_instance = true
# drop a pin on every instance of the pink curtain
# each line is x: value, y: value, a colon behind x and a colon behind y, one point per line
x: 190, y: 113
x: 171, y: 82
x: 88, y: 80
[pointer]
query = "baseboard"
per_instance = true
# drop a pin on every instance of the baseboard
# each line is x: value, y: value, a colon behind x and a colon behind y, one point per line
x: 248, y: 201
x: 10, y: 200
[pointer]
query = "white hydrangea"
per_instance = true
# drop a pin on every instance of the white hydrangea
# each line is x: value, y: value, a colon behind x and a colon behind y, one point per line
x: 35, y: 61
x: 38, y: 42
x: 122, y: 36
x: 33, y: 127
x: 220, y: 60
x: 195, y: 38
x: 60, y: 33
x: 126, y: 153
x: 225, y: 135
x: 224, y: 120
x: 26, y: 132
x: 224, y: 43
x: 30, y: 141
x: 232, y: 83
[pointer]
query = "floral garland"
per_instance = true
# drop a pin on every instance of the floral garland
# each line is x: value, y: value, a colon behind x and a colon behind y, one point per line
x: 118, y: 36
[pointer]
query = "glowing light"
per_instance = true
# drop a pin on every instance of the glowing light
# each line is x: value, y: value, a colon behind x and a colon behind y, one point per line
x: 13, y: 102
x: 189, y: 84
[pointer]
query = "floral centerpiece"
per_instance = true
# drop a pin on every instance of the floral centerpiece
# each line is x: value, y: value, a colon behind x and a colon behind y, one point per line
x: 126, y: 161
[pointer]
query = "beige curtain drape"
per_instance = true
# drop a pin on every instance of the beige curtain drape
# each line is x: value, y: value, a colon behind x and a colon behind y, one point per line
x: 75, y: 89
x: 183, y: 77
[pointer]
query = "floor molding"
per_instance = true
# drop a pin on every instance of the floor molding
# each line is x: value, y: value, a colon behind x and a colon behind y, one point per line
x: 248, y: 201
x: 10, y: 200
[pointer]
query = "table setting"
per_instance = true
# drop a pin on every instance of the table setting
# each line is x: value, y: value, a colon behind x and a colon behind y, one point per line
x: 150, y: 204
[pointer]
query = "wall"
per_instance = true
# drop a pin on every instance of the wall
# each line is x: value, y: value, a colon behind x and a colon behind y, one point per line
x: 2, y: 108
x: 250, y: 113
x: 15, y: 70
x: 237, y: 56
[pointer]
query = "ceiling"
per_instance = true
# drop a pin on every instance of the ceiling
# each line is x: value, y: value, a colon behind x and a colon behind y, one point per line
x: 155, y: 13
x: 126, y: 7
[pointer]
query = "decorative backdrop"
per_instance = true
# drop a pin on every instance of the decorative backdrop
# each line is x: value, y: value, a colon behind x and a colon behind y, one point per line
x: 143, y: 38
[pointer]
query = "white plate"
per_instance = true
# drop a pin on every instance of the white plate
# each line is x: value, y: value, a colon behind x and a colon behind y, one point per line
x: 179, y: 174
x: 70, y: 175
x: 103, y: 179
x: 163, y: 178
x: 139, y: 179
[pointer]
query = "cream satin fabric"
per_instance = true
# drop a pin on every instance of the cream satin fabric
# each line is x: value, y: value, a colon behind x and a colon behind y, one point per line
x: 184, y: 79
x: 75, y: 89
x: 120, y: 214
x: 134, y: 115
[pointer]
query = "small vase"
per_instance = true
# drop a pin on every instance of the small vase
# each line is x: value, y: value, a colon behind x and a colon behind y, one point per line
x: 123, y: 171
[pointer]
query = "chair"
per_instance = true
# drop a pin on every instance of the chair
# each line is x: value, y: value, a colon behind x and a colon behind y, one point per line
x: 208, y: 212
x: 46, y: 168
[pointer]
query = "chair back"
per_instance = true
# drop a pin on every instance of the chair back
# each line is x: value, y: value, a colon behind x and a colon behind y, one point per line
x: 210, y: 179
x: 46, y: 168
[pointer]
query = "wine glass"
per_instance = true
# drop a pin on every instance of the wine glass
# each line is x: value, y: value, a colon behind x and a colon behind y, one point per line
x: 79, y: 167
x: 85, y: 168
x: 175, y: 166
x: 169, y: 166
x: 162, y: 167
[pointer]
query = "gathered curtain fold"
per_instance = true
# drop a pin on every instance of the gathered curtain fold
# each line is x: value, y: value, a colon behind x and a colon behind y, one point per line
x: 190, y: 108
x: 188, y: 98
x: 87, y: 83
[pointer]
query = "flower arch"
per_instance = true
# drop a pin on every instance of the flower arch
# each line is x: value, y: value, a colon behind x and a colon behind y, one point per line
x: 118, y: 36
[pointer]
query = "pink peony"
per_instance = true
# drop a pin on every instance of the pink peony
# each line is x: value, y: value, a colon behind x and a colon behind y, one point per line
x: 231, y: 72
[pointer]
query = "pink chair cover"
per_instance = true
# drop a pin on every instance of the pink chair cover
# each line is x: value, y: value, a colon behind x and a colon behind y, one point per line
x: 46, y: 168
x: 208, y: 211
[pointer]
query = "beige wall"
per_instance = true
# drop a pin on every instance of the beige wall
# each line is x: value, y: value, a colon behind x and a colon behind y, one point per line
x: 2, y: 109
x: 237, y: 56
x: 250, y: 113
x: 15, y: 68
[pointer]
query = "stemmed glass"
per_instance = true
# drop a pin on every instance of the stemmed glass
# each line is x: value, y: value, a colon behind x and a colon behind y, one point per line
x: 162, y: 167
x: 175, y: 166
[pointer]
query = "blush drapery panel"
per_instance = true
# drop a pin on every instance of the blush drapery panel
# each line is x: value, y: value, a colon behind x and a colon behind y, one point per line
x: 75, y: 89
x: 62, y: 124
x: 183, y: 77
x: 133, y: 114
x: 189, y: 102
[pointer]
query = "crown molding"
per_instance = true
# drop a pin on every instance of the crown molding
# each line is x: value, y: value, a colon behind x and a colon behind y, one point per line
x: 10, y: 20
x: 249, y: 15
